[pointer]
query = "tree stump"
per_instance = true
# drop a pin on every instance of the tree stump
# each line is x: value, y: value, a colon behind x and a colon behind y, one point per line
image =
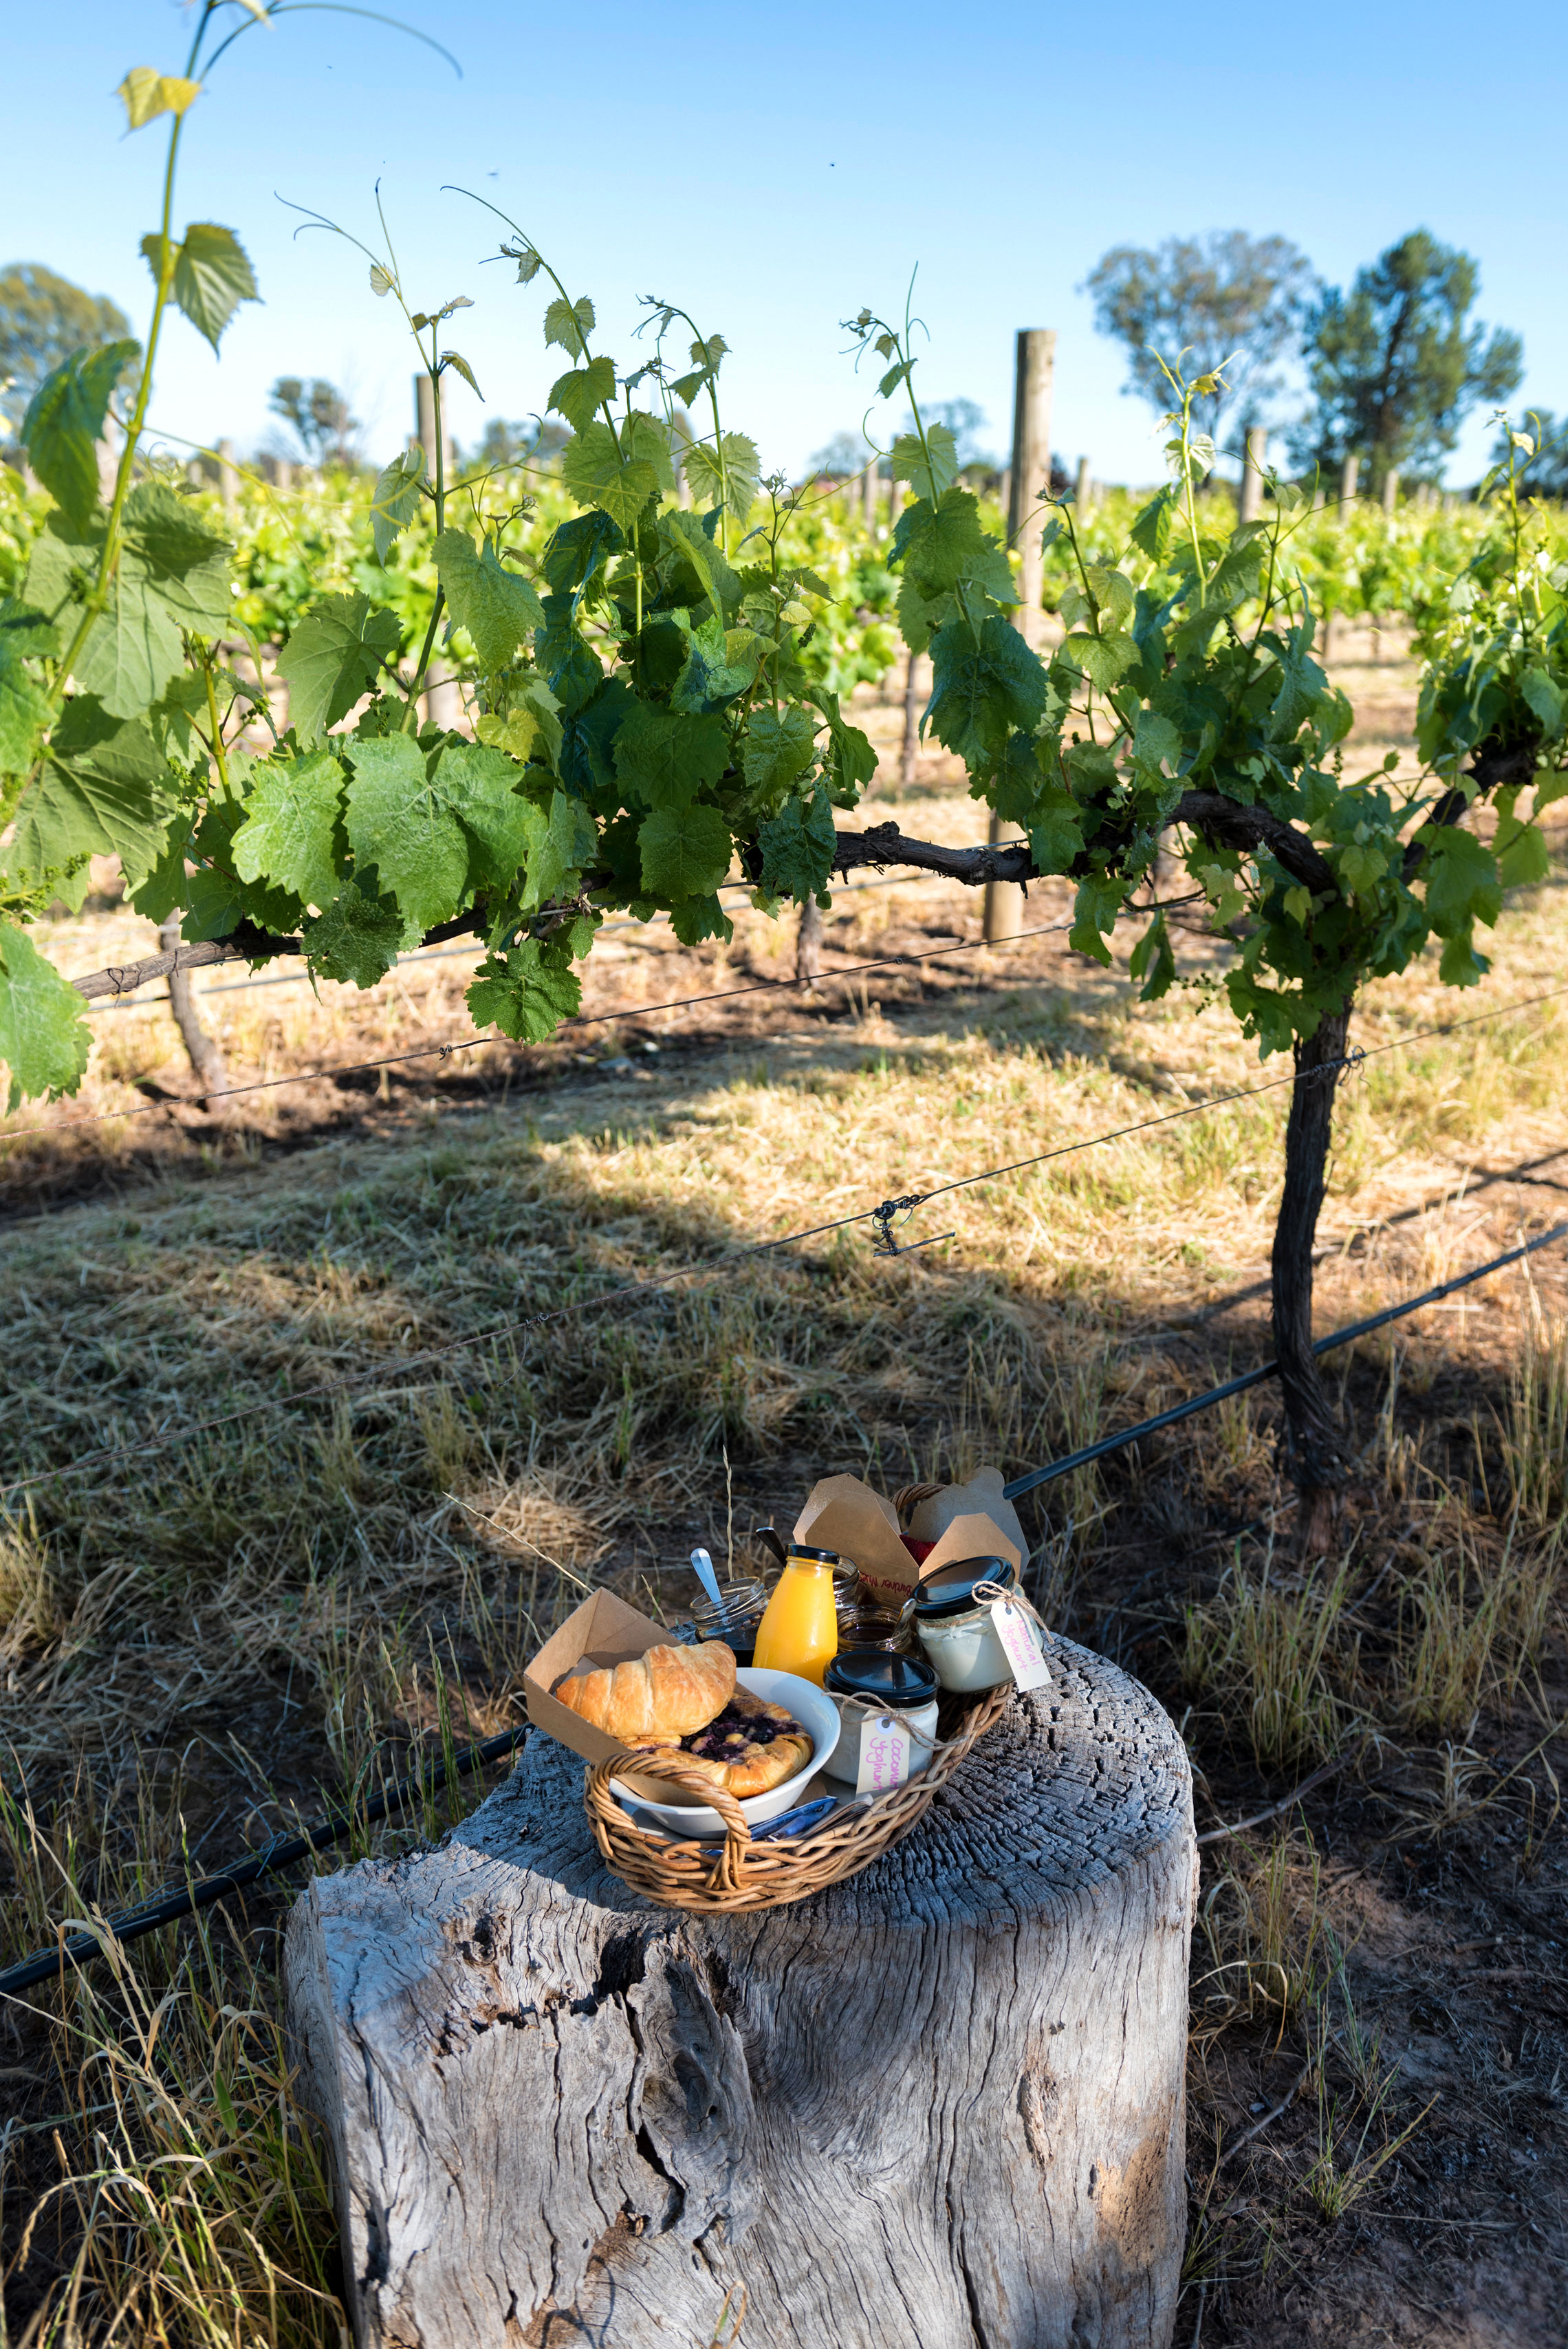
x: 937, y: 2107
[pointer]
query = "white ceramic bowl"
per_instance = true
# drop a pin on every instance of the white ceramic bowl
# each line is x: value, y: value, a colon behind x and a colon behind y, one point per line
x: 817, y: 1714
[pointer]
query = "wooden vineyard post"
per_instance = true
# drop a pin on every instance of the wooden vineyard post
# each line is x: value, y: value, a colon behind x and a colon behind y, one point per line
x: 869, y: 492
x: 909, y: 754
x: 1028, y: 481
x: 809, y: 944
x: 938, y: 2103
x: 1391, y: 489
x: 205, y: 1056
x: 1083, y: 492
x: 1256, y: 458
x: 1350, y: 475
x: 443, y: 696
x: 228, y: 476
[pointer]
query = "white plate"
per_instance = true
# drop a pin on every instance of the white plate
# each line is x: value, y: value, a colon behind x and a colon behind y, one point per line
x: 817, y: 1714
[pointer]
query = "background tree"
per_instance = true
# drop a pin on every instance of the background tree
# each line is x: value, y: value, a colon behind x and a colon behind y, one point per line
x: 1223, y: 296
x: 534, y: 443
x: 1392, y: 366
x: 44, y: 320
x: 326, y: 430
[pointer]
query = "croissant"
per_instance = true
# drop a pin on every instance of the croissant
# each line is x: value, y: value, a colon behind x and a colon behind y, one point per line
x: 667, y: 1693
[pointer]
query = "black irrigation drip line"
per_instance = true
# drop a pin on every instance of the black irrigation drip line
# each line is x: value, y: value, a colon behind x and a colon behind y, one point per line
x: 1035, y: 1477
x: 581, y: 1019
x: 368, y: 1384
x: 281, y: 1851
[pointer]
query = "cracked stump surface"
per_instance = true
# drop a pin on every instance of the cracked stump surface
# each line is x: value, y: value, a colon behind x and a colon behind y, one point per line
x: 939, y: 2104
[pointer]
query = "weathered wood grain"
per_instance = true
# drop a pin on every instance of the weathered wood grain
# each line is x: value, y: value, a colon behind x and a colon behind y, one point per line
x: 938, y: 2106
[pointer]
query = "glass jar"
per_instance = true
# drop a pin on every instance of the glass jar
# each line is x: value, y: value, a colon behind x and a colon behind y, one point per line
x: 799, y: 1631
x: 955, y: 1633
x: 903, y: 1685
x: 735, y: 1621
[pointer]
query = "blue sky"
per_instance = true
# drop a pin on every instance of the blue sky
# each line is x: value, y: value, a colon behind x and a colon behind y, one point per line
x: 774, y: 168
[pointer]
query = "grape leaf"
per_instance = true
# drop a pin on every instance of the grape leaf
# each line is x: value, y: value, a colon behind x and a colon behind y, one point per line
x: 1151, y: 532
x: 1522, y: 856
x: 478, y: 784
x: 25, y: 708
x: 527, y: 992
x: 64, y: 420
x: 44, y: 1037
x: 983, y: 690
x: 1054, y: 827
x: 577, y: 552
x: 778, y: 743
x: 1102, y: 660
x: 580, y: 394
x: 664, y: 758
x: 146, y: 94
x: 569, y: 324
x: 531, y: 721
x: 695, y: 919
x: 928, y: 475
x: 719, y: 664
x: 288, y: 835
x: 647, y: 440
x: 798, y: 846
x: 1546, y: 699
x: 333, y: 656
x: 398, y: 487
x: 731, y: 484
x: 690, y: 545
x: 213, y: 276
x: 357, y: 939
x: 1462, y: 886
x: 686, y: 851
x: 593, y: 471
x: 560, y: 844
x: 104, y: 789
x: 1095, y: 908
x: 399, y: 823
x: 497, y: 607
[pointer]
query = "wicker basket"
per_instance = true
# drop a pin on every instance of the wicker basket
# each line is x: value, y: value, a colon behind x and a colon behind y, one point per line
x: 747, y: 1875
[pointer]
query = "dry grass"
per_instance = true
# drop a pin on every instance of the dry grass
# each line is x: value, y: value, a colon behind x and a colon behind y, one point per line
x: 202, y: 1641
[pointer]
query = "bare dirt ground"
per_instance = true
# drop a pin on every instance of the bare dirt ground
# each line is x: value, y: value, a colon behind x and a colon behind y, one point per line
x: 207, y: 1634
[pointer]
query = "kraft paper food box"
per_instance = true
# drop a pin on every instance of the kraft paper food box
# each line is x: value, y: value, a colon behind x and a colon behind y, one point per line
x: 970, y: 1520
x: 602, y: 1630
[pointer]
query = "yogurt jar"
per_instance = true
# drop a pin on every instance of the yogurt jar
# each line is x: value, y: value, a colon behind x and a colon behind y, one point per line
x: 956, y: 1634
x: 905, y: 1686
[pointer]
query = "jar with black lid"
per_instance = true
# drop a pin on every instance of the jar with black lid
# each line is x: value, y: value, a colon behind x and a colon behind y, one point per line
x: 905, y: 1686
x: 956, y: 1631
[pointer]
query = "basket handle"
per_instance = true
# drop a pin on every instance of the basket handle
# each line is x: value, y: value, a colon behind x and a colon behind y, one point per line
x: 660, y: 1763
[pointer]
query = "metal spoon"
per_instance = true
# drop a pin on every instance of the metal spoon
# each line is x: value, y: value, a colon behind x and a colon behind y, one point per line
x: 702, y: 1565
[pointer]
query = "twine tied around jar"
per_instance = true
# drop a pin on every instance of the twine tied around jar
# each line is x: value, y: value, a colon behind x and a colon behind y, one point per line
x: 992, y: 1595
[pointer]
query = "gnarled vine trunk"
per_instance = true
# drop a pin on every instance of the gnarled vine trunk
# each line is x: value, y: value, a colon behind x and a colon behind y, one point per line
x: 1314, y: 1449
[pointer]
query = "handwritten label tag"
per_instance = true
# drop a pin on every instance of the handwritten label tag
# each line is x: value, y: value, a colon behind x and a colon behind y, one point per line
x: 884, y: 1754
x: 1021, y: 1646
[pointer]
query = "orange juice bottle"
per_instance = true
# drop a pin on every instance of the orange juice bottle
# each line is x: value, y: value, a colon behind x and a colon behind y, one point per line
x: 800, y: 1630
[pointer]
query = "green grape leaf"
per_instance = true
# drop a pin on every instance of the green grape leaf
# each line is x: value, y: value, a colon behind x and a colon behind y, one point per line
x: 358, y: 938
x: 687, y: 540
x: 778, y: 743
x: 1054, y: 827
x: 578, y: 551
x: 732, y: 482
x: 1544, y: 696
x: 526, y: 992
x: 719, y: 664
x: 798, y: 846
x: 664, y: 757
x: 851, y: 759
x: 25, y: 709
x: 288, y: 835
x: 1104, y: 660
x: 686, y: 851
x: 982, y: 692
x: 399, y: 823
x: 1462, y: 884
x: 456, y: 359
x: 588, y: 739
x: 1153, y: 961
x: 645, y: 440
x: 593, y: 471
x: 398, y: 488
x: 1095, y: 908
x: 333, y: 658
x: 44, y: 1036
x: 132, y: 650
x: 64, y: 420
x: 561, y: 843
x: 1156, y: 744
x: 530, y: 724
x: 146, y: 94
x: 1522, y: 856
x: 1151, y: 532
x: 580, y: 395
x: 928, y: 475
x: 162, y: 888
x: 480, y: 786
x: 1302, y: 685
x: 497, y: 607
x: 213, y: 276
x: 104, y: 789
x: 569, y: 324
x: 695, y: 919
